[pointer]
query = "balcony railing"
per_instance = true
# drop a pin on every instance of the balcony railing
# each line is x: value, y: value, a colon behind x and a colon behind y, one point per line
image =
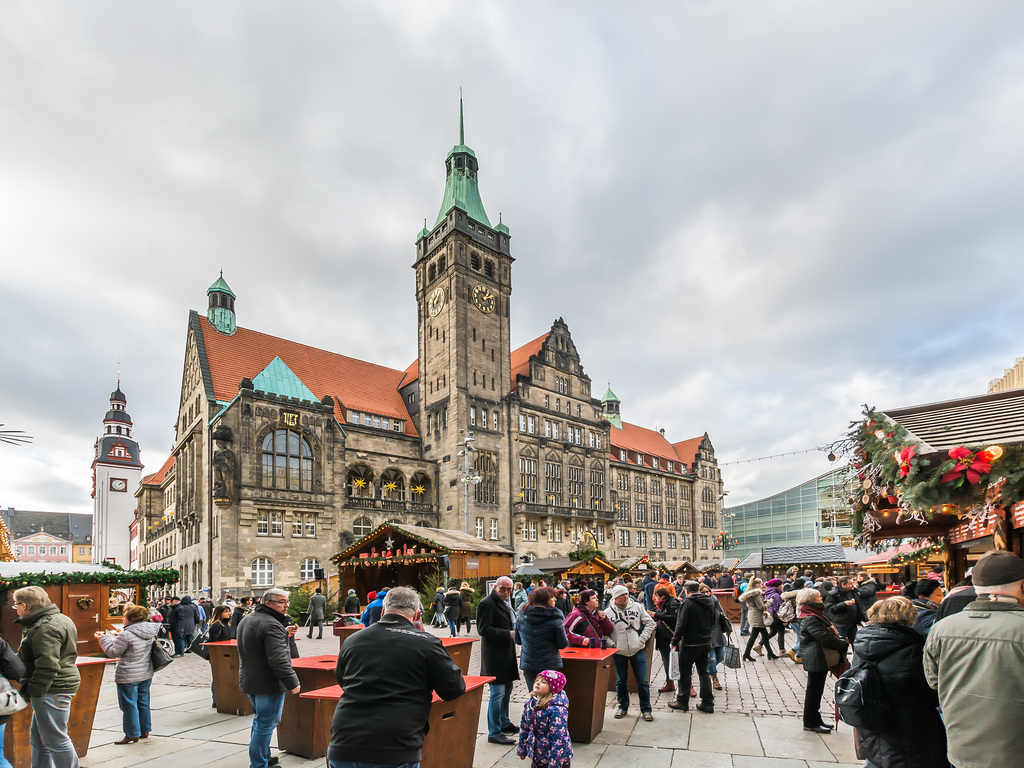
x: 418, y: 507
x: 558, y: 510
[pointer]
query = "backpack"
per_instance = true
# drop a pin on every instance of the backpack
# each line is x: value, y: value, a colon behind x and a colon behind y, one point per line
x: 860, y: 700
x: 787, y: 612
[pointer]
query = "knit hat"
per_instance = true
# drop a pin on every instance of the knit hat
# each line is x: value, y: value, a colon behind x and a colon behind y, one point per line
x: 998, y: 567
x: 618, y: 590
x: 371, y: 595
x: 554, y: 679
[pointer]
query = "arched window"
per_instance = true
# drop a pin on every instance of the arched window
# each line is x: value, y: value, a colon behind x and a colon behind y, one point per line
x: 287, y: 461
x: 307, y: 571
x: 360, y: 482
x: 420, y: 489
x: 392, y: 485
x: 262, y: 572
x: 423, y: 524
x: 362, y: 526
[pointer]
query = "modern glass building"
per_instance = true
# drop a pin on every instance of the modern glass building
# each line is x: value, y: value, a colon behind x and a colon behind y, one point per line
x: 816, y: 512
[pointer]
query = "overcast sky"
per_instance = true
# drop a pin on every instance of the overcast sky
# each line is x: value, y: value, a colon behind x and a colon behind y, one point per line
x: 754, y: 217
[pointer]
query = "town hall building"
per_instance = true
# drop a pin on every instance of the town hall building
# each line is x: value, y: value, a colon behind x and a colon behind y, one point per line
x: 285, y: 454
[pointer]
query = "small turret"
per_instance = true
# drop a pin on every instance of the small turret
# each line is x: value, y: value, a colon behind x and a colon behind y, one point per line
x: 221, y: 311
x: 610, y: 406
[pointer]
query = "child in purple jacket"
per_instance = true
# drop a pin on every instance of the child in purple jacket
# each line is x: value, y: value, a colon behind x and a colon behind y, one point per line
x: 544, y: 730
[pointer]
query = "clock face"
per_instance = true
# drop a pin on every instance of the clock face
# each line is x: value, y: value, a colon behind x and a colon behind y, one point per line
x: 117, y: 484
x: 484, y: 299
x: 436, y: 302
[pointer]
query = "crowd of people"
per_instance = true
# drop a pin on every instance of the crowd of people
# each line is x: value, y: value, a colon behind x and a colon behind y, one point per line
x: 932, y: 679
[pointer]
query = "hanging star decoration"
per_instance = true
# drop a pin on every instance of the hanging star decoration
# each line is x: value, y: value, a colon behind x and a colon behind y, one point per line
x: 391, y: 486
x: 418, y: 490
x: 359, y: 482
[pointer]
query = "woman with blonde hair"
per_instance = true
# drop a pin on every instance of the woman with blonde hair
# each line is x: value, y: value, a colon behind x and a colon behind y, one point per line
x: 134, y: 674
x: 821, y: 649
x: 754, y: 599
x: 911, y: 733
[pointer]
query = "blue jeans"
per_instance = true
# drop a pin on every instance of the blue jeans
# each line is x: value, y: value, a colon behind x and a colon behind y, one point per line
x: 350, y: 764
x: 48, y: 735
x: 715, y: 657
x: 795, y: 624
x: 497, y: 708
x: 4, y: 762
x: 266, y: 715
x: 744, y: 624
x: 133, y: 699
x: 181, y: 641
x: 639, y: 662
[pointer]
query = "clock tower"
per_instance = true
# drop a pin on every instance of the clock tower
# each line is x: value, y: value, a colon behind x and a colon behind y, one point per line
x: 463, y: 287
x: 116, y: 472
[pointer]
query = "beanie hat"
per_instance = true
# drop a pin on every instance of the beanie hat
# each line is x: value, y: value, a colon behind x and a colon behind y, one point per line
x: 371, y: 595
x: 554, y: 679
x: 618, y: 590
x: 998, y: 567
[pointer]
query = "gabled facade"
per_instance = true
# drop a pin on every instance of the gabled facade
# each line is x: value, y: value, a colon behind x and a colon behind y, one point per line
x: 286, y: 454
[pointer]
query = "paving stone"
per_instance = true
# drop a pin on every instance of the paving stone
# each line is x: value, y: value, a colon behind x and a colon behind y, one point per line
x: 710, y: 733
x: 840, y: 744
x: 690, y: 759
x: 626, y: 757
x: 667, y: 731
x: 745, y: 761
x: 617, y: 731
x: 787, y: 738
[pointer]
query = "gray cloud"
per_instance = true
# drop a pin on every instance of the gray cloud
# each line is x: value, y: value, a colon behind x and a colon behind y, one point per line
x: 754, y: 219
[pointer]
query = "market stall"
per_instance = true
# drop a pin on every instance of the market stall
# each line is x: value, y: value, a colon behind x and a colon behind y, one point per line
x: 405, y: 555
x: 821, y: 559
x: 588, y: 568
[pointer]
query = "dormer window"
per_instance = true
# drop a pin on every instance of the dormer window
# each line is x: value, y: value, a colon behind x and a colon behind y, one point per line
x: 640, y: 459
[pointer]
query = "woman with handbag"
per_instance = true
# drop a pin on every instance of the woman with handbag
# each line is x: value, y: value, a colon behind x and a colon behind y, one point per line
x: 12, y: 669
x: 220, y: 631
x: 132, y: 646
x: 719, y: 630
x: 822, y: 650
x: 666, y: 610
x: 758, y: 618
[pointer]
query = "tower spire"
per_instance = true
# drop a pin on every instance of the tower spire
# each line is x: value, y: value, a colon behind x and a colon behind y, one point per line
x: 462, y: 125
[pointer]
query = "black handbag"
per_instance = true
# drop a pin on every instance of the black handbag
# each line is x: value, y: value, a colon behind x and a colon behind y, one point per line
x: 198, y: 646
x: 159, y: 656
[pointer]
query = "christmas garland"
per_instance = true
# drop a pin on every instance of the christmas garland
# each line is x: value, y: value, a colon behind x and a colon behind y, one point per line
x: 144, y: 579
x: 586, y: 554
x: 916, y: 555
x: 965, y: 480
x: 393, y: 560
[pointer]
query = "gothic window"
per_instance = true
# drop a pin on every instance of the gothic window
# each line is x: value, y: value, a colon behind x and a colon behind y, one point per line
x: 656, y: 486
x: 640, y: 484
x: 670, y: 515
x: 622, y: 481
x: 528, y: 479
x: 431, y: 274
x: 489, y: 268
x: 684, y: 541
x: 655, y: 514
x: 308, y: 569
x: 287, y: 461
x: 596, y: 489
x: 486, y: 491
x: 641, y: 538
x: 423, y: 524
x: 671, y: 541
x: 360, y: 482
x: 624, y: 511
x: 640, y: 515
x: 474, y: 261
x: 553, y: 482
x: 361, y: 526
x: 419, y: 487
x: 262, y: 572
x: 670, y: 490
x: 441, y: 265
x: 392, y: 485
x: 575, y: 486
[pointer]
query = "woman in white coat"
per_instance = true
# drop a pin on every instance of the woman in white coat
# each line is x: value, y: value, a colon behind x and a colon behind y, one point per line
x: 134, y: 674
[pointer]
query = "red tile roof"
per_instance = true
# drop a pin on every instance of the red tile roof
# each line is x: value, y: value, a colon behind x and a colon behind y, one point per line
x: 160, y: 475
x: 520, y: 358
x: 411, y: 374
x: 687, y: 449
x: 649, y: 442
x: 354, y: 384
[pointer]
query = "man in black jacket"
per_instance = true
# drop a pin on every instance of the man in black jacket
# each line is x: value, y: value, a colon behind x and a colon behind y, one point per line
x: 845, y: 608
x: 495, y: 621
x: 265, y: 670
x: 388, y: 673
x: 694, y: 622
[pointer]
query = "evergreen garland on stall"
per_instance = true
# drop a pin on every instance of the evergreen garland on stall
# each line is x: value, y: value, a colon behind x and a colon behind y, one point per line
x: 145, y: 579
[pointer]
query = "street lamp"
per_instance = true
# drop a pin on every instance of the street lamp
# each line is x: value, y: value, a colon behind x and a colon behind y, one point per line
x: 467, y: 474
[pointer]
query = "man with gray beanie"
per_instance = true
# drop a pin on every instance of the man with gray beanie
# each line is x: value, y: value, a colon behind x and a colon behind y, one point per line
x: 974, y: 660
x: 632, y: 626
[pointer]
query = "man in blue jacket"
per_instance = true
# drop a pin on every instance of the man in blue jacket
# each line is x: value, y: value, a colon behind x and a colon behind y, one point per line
x: 374, y: 610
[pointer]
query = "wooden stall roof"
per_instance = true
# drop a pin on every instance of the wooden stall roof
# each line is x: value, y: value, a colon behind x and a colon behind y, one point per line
x: 806, y: 554
x: 751, y: 562
x: 567, y: 564
x: 682, y: 566
x: 443, y: 541
x: 992, y: 418
x: 722, y: 563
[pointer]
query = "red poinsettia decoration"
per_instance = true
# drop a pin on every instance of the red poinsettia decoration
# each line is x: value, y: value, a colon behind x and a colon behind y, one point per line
x: 903, y: 459
x: 968, y: 464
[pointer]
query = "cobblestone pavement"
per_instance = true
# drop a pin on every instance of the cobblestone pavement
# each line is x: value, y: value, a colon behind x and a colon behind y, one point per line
x: 765, y: 688
x: 756, y: 725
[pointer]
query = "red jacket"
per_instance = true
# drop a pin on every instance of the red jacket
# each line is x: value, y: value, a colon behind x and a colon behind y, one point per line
x: 581, y: 625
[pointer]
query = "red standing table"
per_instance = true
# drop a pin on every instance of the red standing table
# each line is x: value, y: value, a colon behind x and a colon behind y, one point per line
x: 587, y: 671
x: 344, y: 631
x: 300, y: 731
x: 451, y: 738
x: 226, y: 690
x: 460, y: 649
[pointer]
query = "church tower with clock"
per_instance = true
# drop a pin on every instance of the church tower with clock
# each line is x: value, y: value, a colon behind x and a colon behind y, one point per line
x: 116, y: 472
x: 463, y: 290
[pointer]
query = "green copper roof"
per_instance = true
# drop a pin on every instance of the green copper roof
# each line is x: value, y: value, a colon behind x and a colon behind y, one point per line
x: 501, y: 227
x: 460, y: 188
x: 614, y: 419
x: 278, y: 379
x: 221, y: 287
x: 609, y: 396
